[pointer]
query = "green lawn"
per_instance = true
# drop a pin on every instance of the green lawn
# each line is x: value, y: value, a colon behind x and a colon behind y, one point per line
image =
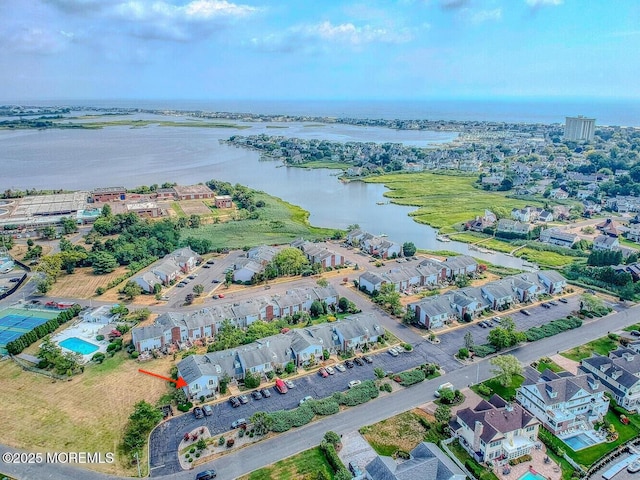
x: 279, y: 222
x: 551, y: 365
x: 632, y: 327
x: 323, y: 164
x: 506, y: 393
x: 547, y: 259
x: 602, y: 346
x: 443, y: 200
x: 307, y: 464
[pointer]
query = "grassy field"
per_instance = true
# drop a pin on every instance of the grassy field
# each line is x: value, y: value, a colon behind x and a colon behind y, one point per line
x: 551, y: 365
x: 402, y: 432
x: 146, y: 123
x: 305, y: 465
x: 87, y: 413
x: 507, y: 392
x: 324, y: 164
x: 602, y: 346
x: 83, y: 283
x: 279, y: 222
x: 443, y: 200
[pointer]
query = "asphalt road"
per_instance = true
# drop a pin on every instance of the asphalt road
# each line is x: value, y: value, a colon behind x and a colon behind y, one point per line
x: 268, y: 451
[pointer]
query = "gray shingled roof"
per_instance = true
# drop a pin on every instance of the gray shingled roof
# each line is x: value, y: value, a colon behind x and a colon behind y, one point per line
x: 427, y: 462
x: 623, y: 360
x: 564, y: 388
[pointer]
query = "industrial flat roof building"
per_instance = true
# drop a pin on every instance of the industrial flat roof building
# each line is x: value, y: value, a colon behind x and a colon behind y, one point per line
x: 579, y: 128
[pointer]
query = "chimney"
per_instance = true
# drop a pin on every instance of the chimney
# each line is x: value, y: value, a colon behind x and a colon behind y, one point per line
x: 477, y: 432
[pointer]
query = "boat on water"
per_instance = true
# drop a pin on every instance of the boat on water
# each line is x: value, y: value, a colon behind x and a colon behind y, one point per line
x: 443, y: 238
x: 634, y: 467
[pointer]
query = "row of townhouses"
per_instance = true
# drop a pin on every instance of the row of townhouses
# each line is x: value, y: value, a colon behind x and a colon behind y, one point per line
x: 376, y: 245
x: 253, y: 263
x: 301, y: 346
x: 179, y: 327
x: 436, y: 311
x: 167, y: 270
x: 429, y: 272
x: 318, y: 253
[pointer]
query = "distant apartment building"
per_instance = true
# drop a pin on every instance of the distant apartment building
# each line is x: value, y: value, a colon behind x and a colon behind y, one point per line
x: 108, y: 194
x: 579, y: 128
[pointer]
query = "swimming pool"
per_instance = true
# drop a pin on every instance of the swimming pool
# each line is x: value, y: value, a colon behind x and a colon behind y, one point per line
x: 78, y: 345
x: 580, y: 441
x: 529, y: 475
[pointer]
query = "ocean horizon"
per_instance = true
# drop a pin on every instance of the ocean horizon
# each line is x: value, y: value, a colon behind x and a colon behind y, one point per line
x: 610, y: 112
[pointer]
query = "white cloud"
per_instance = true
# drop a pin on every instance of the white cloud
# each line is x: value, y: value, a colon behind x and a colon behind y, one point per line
x: 544, y: 3
x: 143, y: 10
x: 319, y: 35
x: 36, y: 40
x: 486, y: 15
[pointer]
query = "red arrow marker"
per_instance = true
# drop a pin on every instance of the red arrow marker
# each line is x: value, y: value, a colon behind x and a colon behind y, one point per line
x: 179, y: 383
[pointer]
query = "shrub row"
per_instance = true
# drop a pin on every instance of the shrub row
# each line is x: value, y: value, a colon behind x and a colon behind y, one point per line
x: 23, y: 341
x: 522, y: 459
x: 283, y: 420
x: 552, y: 328
x: 133, y: 268
x: 411, y: 377
x: 483, y: 350
x: 331, y: 455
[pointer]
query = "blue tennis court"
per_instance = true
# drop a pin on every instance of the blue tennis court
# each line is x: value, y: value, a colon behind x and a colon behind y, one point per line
x: 15, y: 322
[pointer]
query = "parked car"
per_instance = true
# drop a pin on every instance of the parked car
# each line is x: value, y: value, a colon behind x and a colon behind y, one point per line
x: 545, y: 305
x: 243, y: 399
x: 198, y: 413
x: 367, y: 359
x: 180, y: 285
x: 555, y: 304
x: 208, y: 411
x: 358, y: 361
x: 305, y: 399
x: 215, y: 280
x: 239, y: 422
x: 256, y: 395
x: 206, y: 266
x: 323, y: 372
x: 281, y: 386
x: 234, y: 402
x: 206, y: 475
x: 348, y: 364
x: 482, y: 324
x: 192, y: 276
x: 221, y: 295
x: 354, y: 383
x: 330, y: 370
x: 14, y: 279
x: 525, y: 312
x: 355, y: 469
x: 393, y: 352
x: 265, y: 392
x: 563, y: 300
x: 289, y: 383
x: 444, y: 386
x: 635, y: 333
x: 210, y: 262
x: 340, y: 368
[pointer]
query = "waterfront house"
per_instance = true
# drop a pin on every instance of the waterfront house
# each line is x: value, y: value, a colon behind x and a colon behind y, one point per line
x: 619, y: 372
x: 552, y: 281
x: 563, y: 402
x: 555, y: 236
x: 433, y: 312
x: 606, y: 242
x: 495, y: 430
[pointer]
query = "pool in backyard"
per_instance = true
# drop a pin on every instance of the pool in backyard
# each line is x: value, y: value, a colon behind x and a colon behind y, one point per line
x: 529, y: 475
x: 78, y: 345
x: 580, y: 441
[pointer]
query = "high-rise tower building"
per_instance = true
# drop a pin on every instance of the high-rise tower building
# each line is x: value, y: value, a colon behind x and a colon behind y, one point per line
x: 579, y: 128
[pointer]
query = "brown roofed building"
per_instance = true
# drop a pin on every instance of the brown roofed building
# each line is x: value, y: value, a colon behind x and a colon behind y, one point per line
x: 223, y: 201
x: 108, y: 194
x: 193, y: 192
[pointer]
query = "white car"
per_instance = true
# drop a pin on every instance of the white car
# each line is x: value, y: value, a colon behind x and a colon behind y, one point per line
x: 393, y: 352
x: 289, y: 384
x: 330, y: 370
x: 354, y: 383
x: 305, y: 399
x: 340, y: 368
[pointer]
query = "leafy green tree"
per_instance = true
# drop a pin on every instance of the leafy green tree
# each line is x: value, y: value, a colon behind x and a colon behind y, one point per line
x: 447, y: 396
x: 49, y: 232
x: 69, y: 225
x: 507, y: 366
x: 332, y: 437
x: 589, y: 302
x: 131, y: 290
x: 290, y: 261
x: 316, y: 309
x: 198, y: 289
x: 343, y: 304
x: 251, y: 380
x: 408, y: 249
x: 468, y: 340
x: 194, y: 221
x: 389, y: 298
x: 106, y: 211
x: 322, y: 282
x: 103, y: 263
x: 261, y: 422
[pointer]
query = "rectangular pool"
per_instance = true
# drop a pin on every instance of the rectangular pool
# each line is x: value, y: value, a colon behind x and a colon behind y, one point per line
x: 529, y: 475
x: 580, y: 441
x: 78, y: 345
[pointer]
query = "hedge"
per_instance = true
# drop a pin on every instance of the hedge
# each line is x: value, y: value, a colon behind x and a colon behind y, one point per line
x: 483, y: 350
x: 552, y: 328
x: 359, y: 394
x: 326, y: 406
x: 411, y: 377
x: 333, y: 459
x: 23, y: 341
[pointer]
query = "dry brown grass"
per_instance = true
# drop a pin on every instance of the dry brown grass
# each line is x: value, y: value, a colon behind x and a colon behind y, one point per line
x: 87, y: 413
x: 194, y: 207
x: 83, y: 283
x: 402, y: 432
x: 19, y: 251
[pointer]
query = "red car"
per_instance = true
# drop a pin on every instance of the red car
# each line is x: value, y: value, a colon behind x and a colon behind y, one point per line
x: 221, y: 295
x: 323, y: 373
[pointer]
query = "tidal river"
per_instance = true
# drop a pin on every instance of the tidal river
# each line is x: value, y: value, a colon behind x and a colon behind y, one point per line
x: 123, y: 156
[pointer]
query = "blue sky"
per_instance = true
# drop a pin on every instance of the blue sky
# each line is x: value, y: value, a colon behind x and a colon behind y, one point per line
x: 313, y: 49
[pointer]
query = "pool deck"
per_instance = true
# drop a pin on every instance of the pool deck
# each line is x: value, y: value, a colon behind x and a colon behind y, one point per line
x: 551, y: 470
x: 86, y: 331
